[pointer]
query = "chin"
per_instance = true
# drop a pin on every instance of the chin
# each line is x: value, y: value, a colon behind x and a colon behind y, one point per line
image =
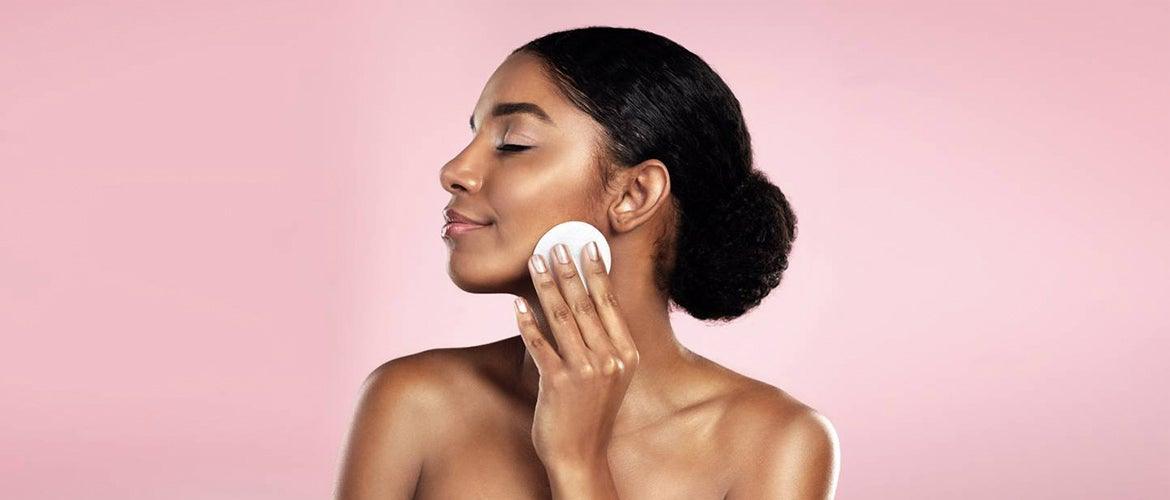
x: 472, y: 275
x: 471, y: 285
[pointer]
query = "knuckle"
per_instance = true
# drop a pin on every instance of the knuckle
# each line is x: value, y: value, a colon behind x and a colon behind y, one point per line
x: 569, y: 271
x: 612, y: 365
x: 547, y: 285
x: 562, y: 313
x: 584, y: 306
x: 630, y: 357
x: 609, y: 298
x: 586, y: 371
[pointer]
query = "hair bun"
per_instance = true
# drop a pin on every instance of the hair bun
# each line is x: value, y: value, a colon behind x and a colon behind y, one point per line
x: 730, y: 260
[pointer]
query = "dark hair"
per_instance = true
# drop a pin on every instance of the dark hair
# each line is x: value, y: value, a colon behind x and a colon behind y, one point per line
x: 658, y: 100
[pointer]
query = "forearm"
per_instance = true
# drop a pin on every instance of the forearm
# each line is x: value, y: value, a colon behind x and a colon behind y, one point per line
x: 582, y: 482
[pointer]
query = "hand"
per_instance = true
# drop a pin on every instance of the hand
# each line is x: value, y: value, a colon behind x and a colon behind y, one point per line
x: 582, y: 386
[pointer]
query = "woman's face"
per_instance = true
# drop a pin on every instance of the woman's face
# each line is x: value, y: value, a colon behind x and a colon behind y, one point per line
x: 522, y: 173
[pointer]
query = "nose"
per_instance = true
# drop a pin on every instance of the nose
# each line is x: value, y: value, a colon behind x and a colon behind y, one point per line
x: 460, y: 175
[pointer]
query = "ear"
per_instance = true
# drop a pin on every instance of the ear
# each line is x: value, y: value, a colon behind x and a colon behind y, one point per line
x: 644, y: 190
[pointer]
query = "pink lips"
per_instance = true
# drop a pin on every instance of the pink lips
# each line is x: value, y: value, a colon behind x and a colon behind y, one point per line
x: 457, y: 223
x: 452, y: 229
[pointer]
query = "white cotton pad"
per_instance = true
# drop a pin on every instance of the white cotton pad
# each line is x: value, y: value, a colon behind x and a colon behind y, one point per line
x: 575, y: 235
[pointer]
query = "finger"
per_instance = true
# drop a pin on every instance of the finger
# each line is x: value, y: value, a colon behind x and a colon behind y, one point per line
x: 559, y: 316
x: 584, y: 310
x: 608, y: 308
x: 543, y: 354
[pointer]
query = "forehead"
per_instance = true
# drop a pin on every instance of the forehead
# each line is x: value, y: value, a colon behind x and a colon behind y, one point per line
x: 521, y: 78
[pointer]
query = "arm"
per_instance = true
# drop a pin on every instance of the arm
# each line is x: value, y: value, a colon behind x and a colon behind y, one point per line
x: 582, y: 481
x: 383, y: 455
x: 799, y: 461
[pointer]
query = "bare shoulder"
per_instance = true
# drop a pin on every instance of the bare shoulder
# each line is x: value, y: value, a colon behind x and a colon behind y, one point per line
x: 422, y: 371
x: 762, y: 406
x: 430, y: 379
x: 406, y: 409
x: 785, y: 448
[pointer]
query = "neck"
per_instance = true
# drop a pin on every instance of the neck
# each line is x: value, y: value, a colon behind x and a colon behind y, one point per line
x: 660, y: 356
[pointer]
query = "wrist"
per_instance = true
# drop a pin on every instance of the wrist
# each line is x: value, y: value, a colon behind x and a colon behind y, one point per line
x: 577, y: 465
x: 581, y: 476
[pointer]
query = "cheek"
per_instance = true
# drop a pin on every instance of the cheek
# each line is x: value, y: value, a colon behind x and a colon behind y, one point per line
x: 537, y: 192
x: 522, y: 212
x: 526, y: 199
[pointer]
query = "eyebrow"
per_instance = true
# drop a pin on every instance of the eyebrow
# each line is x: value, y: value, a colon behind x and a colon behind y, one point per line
x: 510, y: 108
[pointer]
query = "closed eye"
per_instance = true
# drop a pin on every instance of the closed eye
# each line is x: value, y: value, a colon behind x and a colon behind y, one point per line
x: 512, y: 148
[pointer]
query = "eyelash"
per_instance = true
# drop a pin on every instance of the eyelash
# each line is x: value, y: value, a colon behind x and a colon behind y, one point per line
x: 507, y: 148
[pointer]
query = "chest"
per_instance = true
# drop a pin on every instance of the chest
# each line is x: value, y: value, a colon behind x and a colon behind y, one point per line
x: 502, y: 464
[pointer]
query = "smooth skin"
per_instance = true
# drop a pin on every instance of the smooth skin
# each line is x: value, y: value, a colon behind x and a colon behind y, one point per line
x: 522, y: 418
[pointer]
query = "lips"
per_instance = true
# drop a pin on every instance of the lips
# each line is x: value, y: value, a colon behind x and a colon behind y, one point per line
x: 451, y: 215
x: 458, y: 223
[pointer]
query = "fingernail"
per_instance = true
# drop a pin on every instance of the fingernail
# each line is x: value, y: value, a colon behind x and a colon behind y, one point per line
x: 520, y: 305
x: 593, y: 250
x: 538, y: 263
x: 562, y: 253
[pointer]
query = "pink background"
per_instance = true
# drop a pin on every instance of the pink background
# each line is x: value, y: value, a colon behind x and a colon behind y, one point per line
x: 217, y: 217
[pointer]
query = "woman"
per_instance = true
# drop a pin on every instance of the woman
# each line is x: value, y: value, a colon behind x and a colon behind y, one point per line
x: 595, y: 398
